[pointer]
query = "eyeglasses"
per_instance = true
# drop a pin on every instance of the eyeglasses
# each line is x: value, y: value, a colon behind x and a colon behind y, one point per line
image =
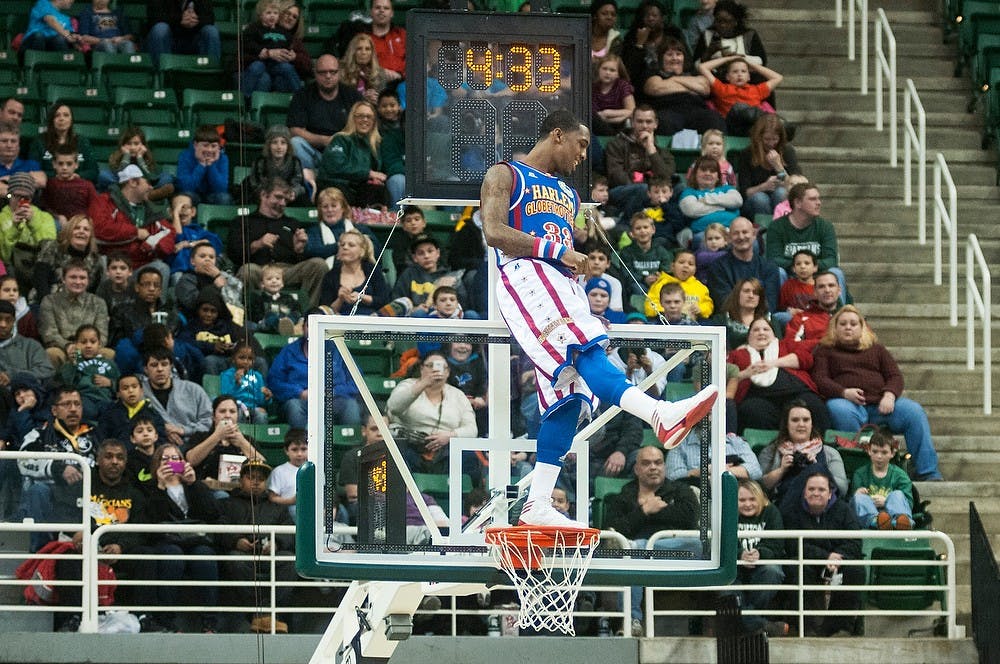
x: 172, y: 457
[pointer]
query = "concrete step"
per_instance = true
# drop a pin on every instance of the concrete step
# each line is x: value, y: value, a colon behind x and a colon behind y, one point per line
x: 838, y: 66
x: 900, y: 250
x: 967, y: 443
x: 795, y: 46
x: 857, y: 137
x: 832, y: 79
x: 933, y: 101
x: 983, y: 192
x: 861, y: 116
x: 877, y: 150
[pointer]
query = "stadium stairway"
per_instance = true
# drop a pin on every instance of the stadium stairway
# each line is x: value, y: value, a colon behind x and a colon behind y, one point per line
x: 889, y: 273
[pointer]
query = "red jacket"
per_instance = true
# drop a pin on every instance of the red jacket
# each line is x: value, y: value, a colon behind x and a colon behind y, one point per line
x: 741, y: 358
x: 116, y: 231
x: 808, y: 326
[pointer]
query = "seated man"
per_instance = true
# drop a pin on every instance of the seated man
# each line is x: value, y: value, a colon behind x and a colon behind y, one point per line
x: 648, y: 504
x: 64, y: 311
x: 821, y: 509
x: 10, y: 147
x: 19, y: 354
x: 183, y: 405
x: 182, y: 27
x: 684, y: 461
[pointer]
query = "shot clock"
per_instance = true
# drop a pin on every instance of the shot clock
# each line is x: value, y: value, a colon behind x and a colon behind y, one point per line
x: 487, y: 81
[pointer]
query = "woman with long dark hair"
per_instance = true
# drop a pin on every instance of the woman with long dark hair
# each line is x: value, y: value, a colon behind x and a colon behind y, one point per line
x: 59, y: 131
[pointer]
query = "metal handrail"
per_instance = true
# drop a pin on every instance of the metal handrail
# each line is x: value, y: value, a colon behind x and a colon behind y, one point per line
x: 863, y: 6
x: 948, y: 217
x: 981, y: 301
x: 886, y: 66
x: 915, y: 138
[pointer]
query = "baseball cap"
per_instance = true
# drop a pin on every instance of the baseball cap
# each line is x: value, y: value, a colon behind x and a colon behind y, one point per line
x: 423, y: 239
x: 253, y: 464
x: 7, y: 308
x: 598, y: 282
x: 130, y: 172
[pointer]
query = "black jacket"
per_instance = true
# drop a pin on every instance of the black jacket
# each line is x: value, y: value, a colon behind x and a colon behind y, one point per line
x: 241, y: 508
x: 624, y: 514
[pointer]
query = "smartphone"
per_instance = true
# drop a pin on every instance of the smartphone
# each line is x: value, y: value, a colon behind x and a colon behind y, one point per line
x: 176, y: 467
x: 439, y: 365
x: 226, y: 423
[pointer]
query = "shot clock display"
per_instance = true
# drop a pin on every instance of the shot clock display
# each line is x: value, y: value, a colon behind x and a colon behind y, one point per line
x: 488, y: 81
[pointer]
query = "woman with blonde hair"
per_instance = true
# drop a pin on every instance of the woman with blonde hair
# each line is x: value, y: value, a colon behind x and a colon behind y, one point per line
x: 863, y: 384
x: 764, y: 166
x: 756, y: 513
x: 335, y: 217
x: 354, y: 268
x: 360, y: 68
x: 75, y: 241
x: 352, y: 161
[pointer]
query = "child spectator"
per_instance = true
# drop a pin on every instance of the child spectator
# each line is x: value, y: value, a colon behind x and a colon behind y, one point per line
x: 445, y: 304
x: 417, y: 282
x: 737, y: 100
x: 203, y: 169
x: 414, y: 225
x: 713, y: 144
x: 798, y: 292
x: 273, y: 310
x: 246, y: 385
x: 599, y: 295
x: 282, y: 484
x: 119, y: 417
x: 184, y: 214
x: 601, y: 213
x: 67, y: 194
x: 188, y: 360
x: 612, y: 97
x: 644, y: 259
x: 706, y: 200
x: 213, y: 332
x: 883, y: 493
x: 598, y: 264
x: 267, y: 53
x: 24, y: 318
x: 658, y: 195
x: 674, y: 305
x: 714, y: 245
x: 104, y: 29
x: 785, y: 206
x: 278, y: 160
x: 116, y: 287
x: 145, y: 438
x: 50, y: 28
x: 697, y: 302
x: 133, y: 151
x: 89, y: 372
x: 205, y: 273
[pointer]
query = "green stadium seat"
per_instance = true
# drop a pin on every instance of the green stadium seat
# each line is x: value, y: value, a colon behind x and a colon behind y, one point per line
x: 212, y: 107
x: 190, y: 72
x: 677, y: 391
x: 759, y: 438
x: 122, y: 70
x: 737, y: 143
x: 67, y: 68
x: 10, y: 70
x: 211, y: 384
x: 219, y: 218
x: 437, y: 485
x: 266, y: 434
x: 304, y: 215
x: 270, y: 108
x: 146, y: 107
x: 89, y: 104
x: 272, y: 344
x: 380, y: 386
x: 167, y: 143
x: 900, y: 575
x: 604, y: 487
x: 103, y: 139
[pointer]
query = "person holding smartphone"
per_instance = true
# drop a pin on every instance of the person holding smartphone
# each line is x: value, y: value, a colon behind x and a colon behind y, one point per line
x: 225, y: 437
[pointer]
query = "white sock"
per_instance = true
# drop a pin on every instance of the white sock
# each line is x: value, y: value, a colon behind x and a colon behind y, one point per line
x: 543, y: 481
x: 638, y: 403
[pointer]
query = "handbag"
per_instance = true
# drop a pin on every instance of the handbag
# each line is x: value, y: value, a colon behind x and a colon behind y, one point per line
x: 861, y: 438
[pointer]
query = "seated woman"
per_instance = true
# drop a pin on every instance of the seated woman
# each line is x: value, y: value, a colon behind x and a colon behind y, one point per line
x: 351, y: 161
x: 355, y: 266
x: 862, y: 383
x: 277, y: 159
x: 763, y: 167
x: 612, y: 97
x: 436, y: 412
x: 605, y: 39
x: 179, y: 497
x: 205, y: 448
x: 361, y: 69
x: 744, y: 305
x: 706, y: 200
x: 645, y: 37
x: 795, y: 453
x: 729, y: 35
x: 59, y: 131
x: 75, y: 241
x: 335, y: 217
x: 756, y: 513
x: 772, y: 373
x: 678, y: 95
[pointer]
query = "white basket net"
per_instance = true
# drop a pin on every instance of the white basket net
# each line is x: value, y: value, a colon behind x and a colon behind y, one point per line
x: 547, y: 569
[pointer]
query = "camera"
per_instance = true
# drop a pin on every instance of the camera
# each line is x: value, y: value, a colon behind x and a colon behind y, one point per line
x: 800, y: 459
x: 439, y: 365
x: 226, y: 423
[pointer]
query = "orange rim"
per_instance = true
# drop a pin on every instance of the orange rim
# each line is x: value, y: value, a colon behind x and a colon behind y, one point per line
x: 527, y: 540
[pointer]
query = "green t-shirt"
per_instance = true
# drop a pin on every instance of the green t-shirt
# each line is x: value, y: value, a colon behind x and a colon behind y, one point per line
x: 895, y: 479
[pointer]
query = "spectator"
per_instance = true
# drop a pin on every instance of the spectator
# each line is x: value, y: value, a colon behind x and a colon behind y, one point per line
x: 678, y: 95
x: 644, y: 259
x: 700, y: 21
x: 743, y: 306
x: 706, y: 200
x: 282, y: 482
x: 605, y: 38
x: 187, y: 358
x: 713, y: 144
x: 52, y: 487
x: 763, y: 167
x: 106, y: 30
x: 862, y: 383
x: 63, y: 312
x: 648, y: 504
x: 290, y: 21
x: 697, y: 302
x: 180, y: 498
x: 412, y: 226
x: 24, y: 318
x: 270, y: 236
x: 186, y: 27
x: 598, y: 264
x: 798, y: 292
x: 808, y: 326
x: 183, y: 405
x: 336, y: 217
x: 212, y: 331
x: 19, y: 354
x: 144, y: 439
x: 75, y: 242
x: 352, y: 161
x: 389, y: 39
x: 803, y: 228
x: 393, y: 147
x: 133, y: 150
x: 361, y: 68
x: 278, y: 160
x: 612, y: 98
x: 203, y: 169
x: 267, y: 55
x: 738, y: 100
x: 467, y: 372
x: 205, y: 273
x: 883, y: 492
x: 714, y: 246
x: 119, y: 417
x: 643, y: 40
x: 205, y: 448
x: 318, y: 111
x: 10, y: 148
x: 147, y: 307
x: 116, y: 288
x: 729, y: 35
x: 28, y: 410
x: 672, y: 306
x: 288, y: 380
x: 756, y: 513
x: 632, y: 158
x: 12, y: 113
x: 246, y: 384
x: 23, y: 228
x: 598, y: 293
x: 94, y: 375
x: 67, y: 194
x: 797, y: 451
x: 50, y: 28
x: 684, y: 461
x: 272, y: 309
x: 355, y: 278
x: 125, y: 220
x: 184, y: 213
x: 743, y: 262
x: 821, y: 508
x: 59, y: 131
x: 435, y: 412
x: 418, y: 281
x: 249, y: 505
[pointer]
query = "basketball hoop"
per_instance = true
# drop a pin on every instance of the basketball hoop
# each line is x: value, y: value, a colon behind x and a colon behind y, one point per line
x: 547, y: 565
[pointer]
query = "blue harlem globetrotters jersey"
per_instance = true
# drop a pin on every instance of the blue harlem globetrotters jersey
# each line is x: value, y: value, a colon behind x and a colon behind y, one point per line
x: 541, y: 205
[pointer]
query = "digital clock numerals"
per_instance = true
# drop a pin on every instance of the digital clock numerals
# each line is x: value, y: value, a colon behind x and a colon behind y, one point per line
x: 450, y: 70
x: 521, y: 125
x: 479, y: 65
x: 474, y: 135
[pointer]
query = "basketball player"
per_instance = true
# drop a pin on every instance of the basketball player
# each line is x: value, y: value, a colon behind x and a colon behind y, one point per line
x: 528, y: 214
